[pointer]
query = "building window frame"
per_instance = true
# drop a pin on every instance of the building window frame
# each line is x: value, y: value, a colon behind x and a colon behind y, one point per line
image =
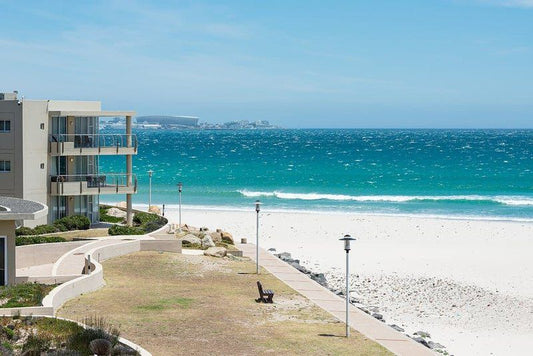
x: 5, y: 126
x: 5, y: 166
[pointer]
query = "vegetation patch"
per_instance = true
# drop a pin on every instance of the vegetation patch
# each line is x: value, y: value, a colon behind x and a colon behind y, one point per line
x: 50, y: 336
x: 108, y: 218
x: 143, y: 223
x: 167, y: 304
x: 32, y: 240
x: 68, y: 223
x: 125, y: 230
x: 23, y: 295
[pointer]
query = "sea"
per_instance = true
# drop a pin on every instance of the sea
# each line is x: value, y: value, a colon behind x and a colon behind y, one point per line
x: 474, y: 174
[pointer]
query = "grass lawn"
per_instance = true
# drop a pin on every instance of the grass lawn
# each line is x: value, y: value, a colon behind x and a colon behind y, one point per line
x: 175, y: 304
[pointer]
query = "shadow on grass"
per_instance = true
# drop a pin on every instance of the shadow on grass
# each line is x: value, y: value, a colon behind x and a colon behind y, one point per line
x: 332, y: 335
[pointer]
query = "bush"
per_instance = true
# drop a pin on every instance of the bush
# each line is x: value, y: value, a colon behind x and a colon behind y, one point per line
x: 74, y: 222
x: 32, y: 240
x: 125, y: 230
x: 108, y: 218
x: 23, y: 231
x: 144, y: 218
x: 151, y: 226
x: 44, y: 229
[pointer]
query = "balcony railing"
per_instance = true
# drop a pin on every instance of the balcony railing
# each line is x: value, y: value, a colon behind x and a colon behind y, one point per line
x: 90, y: 184
x: 86, y: 144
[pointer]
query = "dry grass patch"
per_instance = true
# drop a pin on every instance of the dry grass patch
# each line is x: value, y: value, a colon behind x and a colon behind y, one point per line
x: 175, y: 304
x: 81, y: 234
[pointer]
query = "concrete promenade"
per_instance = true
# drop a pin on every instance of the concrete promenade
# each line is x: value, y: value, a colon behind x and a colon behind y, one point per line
x: 372, y: 328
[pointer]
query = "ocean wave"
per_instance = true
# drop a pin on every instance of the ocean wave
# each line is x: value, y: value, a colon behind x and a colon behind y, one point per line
x: 505, y: 200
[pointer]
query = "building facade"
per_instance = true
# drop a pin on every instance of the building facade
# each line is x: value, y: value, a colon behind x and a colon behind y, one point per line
x: 49, y: 153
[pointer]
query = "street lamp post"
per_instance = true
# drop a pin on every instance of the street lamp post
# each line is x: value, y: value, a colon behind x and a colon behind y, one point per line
x: 257, y: 209
x: 347, y: 239
x: 150, y: 172
x: 180, y: 188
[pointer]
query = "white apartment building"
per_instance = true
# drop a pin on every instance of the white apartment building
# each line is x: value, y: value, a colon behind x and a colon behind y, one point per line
x: 50, y: 150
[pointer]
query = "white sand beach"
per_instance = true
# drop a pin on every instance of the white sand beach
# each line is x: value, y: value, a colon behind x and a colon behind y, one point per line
x: 469, y: 283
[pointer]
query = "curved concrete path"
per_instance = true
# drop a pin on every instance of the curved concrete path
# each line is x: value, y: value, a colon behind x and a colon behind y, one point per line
x: 372, y: 328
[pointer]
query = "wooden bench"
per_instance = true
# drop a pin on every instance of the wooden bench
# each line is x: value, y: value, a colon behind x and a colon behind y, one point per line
x: 265, y: 295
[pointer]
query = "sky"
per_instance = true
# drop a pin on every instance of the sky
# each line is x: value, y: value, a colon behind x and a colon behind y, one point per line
x: 396, y: 64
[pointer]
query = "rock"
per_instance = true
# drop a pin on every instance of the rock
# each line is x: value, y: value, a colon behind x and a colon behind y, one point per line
x: 204, y: 229
x: 100, y: 347
x: 215, y: 252
x: 122, y: 204
x: 421, y: 340
x: 207, y: 241
x: 190, y: 239
x: 189, y: 228
x: 227, y: 238
x: 11, y: 326
x: 284, y: 256
x: 397, y: 328
x: 219, y: 230
x: 319, y: 278
x: 117, y: 213
x: 435, y: 345
x: 154, y: 209
x: 271, y: 249
x: 377, y: 316
x: 216, y: 236
x: 423, y: 334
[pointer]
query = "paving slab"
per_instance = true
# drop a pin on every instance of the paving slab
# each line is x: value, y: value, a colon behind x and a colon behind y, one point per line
x: 372, y: 328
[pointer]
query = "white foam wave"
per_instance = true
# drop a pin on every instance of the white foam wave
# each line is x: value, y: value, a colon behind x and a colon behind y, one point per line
x: 506, y: 200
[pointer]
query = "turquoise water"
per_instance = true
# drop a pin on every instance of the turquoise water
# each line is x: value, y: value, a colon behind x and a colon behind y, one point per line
x: 474, y: 173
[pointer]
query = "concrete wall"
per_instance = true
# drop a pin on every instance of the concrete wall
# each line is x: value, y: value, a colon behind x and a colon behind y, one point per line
x: 11, y: 149
x: 7, y: 228
x: 67, y: 105
x: 35, y: 141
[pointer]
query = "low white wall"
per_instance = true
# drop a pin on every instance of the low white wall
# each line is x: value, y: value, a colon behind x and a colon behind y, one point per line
x: 41, y: 254
x: 46, y: 279
x: 27, y: 311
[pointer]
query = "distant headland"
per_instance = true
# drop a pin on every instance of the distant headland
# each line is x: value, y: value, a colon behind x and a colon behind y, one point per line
x: 165, y: 122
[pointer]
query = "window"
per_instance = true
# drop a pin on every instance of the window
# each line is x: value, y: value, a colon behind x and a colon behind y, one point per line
x: 5, y: 166
x: 5, y: 126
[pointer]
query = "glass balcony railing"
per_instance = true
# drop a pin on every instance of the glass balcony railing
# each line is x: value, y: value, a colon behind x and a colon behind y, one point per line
x: 65, y: 143
x: 103, y: 183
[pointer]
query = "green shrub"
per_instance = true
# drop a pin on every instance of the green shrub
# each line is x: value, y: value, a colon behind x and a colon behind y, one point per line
x: 125, y: 230
x: 144, y: 218
x: 45, y: 229
x: 60, y: 227
x: 108, y: 218
x: 74, y: 222
x: 32, y: 240
x: 23, y: 231
x: 154, y: 225
x: 35, y: 344
x: 9, y: 333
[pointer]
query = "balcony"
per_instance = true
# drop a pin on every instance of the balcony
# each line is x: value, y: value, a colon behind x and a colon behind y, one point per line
x: 91, y: 145
x: 92, y: 184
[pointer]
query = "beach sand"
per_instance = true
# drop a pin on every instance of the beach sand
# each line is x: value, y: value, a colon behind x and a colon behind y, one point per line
x: 468, y: 283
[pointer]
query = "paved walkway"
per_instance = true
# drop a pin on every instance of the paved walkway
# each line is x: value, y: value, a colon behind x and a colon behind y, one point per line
x: 372, y: 328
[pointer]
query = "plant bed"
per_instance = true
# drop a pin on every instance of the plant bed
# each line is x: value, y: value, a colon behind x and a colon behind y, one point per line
x: 37, y: 239
x: 23, y: 295
x: 51, y: 336
x: 143, y: 223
